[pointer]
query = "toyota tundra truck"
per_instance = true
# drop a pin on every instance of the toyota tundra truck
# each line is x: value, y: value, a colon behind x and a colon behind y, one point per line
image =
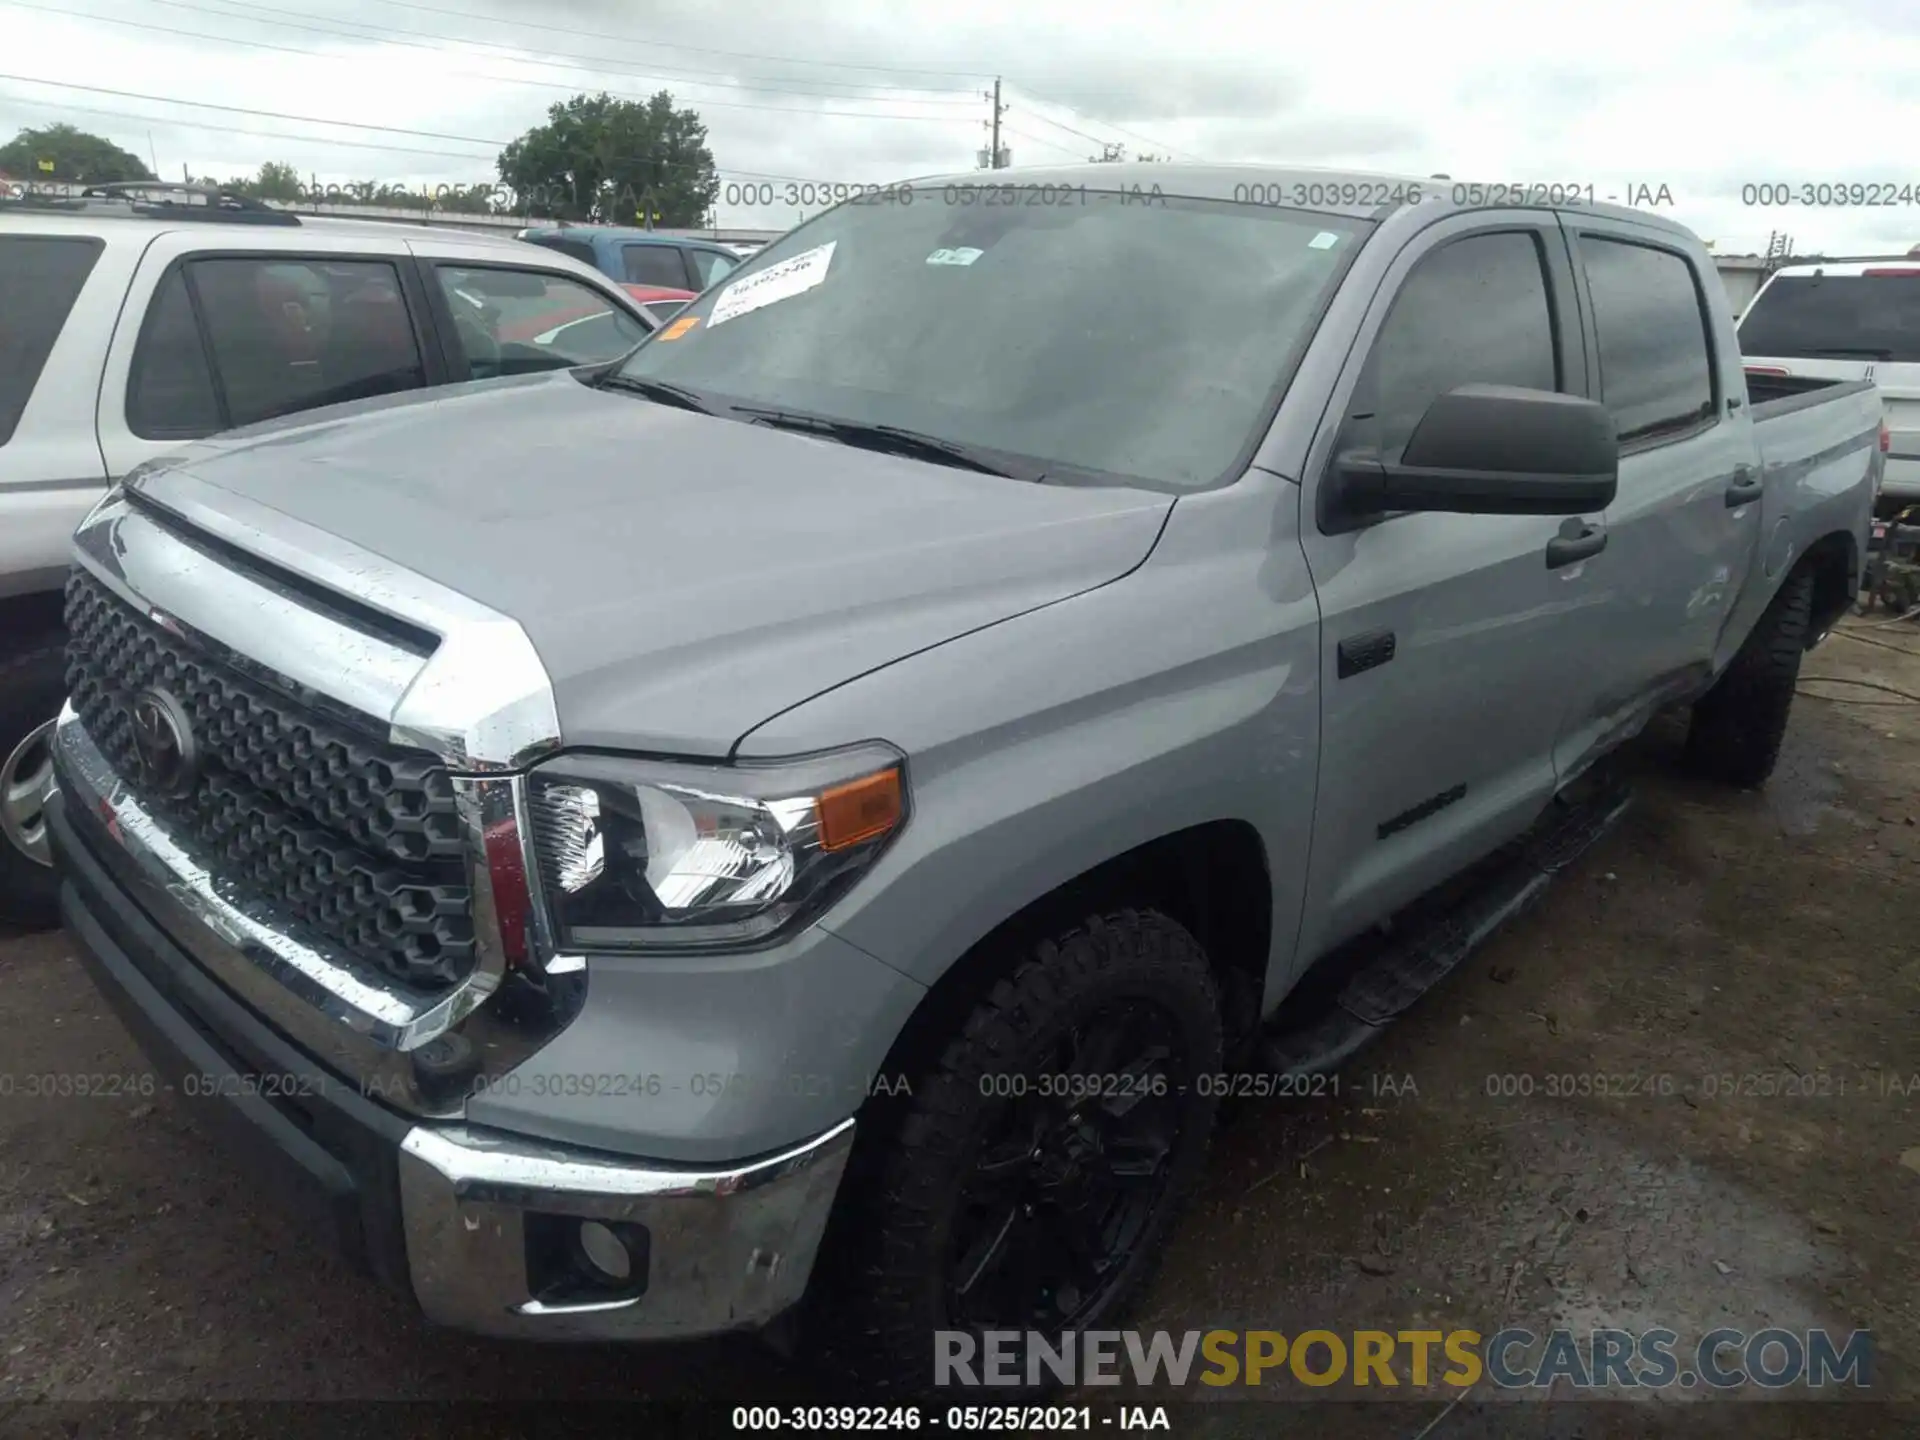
x: 798, y: 828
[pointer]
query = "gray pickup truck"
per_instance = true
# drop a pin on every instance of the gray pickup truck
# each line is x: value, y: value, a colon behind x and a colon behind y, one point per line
x: 819, y: 812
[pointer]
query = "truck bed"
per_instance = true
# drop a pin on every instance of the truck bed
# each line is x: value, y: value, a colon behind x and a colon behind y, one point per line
x: 1772, y: 395
x: 1819, y: 453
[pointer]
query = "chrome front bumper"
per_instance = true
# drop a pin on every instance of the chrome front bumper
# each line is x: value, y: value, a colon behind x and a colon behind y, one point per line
x: 483, y: 1214
x: 727, y: 1249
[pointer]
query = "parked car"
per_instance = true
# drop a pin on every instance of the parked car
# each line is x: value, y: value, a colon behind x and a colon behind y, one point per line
x: 844, y: 861
x: 639, y: 257
x: 662, y: 302
x: 1848, y: 320
x: 139, y: 318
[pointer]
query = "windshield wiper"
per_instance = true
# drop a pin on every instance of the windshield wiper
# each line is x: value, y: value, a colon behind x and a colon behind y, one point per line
x: 886, y: 439
x: 656, y: 390
x: 1843, y: 350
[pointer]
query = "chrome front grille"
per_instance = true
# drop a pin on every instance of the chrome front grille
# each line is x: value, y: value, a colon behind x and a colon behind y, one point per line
x: 357, y: 839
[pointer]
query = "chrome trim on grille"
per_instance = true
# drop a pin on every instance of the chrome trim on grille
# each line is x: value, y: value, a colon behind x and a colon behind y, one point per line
x: 481, y: 701
x: 239, y: 620
x: 353, y: 1018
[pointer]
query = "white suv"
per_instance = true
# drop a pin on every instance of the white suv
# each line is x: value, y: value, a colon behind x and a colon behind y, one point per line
x: 138, y: 318
x: 1848, y: 320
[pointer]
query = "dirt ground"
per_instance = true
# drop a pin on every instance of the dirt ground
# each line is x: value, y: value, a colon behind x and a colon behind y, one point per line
x: 1758, y: 951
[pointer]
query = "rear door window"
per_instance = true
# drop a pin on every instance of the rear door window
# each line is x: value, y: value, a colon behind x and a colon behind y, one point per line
x: 171, y: 394
x: 517, y: 322
x: 709, y: 266
x: 296, y: 333
x: 1656, y: 362
x: 40, y: 278
x: 655, y: 265
x: 1837, y: 317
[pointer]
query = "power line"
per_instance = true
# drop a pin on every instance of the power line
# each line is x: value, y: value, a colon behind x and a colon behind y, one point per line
x: 1037, y: 140
x: 1093, y: 120
x: 264, y: 114
x: 188, y: 121
x: 595, y: 64
x: 979, y: 74
x: 465, y: 74
x: 65, y: 108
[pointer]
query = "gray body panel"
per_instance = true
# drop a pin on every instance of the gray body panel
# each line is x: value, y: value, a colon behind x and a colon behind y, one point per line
x: 1070, y: 672
x: 683, y: 577
x: 710, y: 1058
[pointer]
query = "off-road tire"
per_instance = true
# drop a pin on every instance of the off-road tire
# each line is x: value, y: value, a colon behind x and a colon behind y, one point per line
x: 882, y: 1297
x: 1738, y: 725
x: 32, y: 684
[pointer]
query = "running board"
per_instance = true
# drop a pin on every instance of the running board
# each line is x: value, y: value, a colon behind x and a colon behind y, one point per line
x: 1410, y: 965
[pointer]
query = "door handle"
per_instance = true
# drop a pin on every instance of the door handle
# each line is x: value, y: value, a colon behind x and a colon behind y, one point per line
x: 1746, y: 488
x: 1569, y: 549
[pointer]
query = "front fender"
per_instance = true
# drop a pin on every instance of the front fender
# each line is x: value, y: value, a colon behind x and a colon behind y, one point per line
x: 1183, y: 693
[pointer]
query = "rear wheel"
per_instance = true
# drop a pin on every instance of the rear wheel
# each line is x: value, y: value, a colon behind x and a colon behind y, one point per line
x: 1037, y: 1170
x: 32, y: 683
x: 1738, y: 725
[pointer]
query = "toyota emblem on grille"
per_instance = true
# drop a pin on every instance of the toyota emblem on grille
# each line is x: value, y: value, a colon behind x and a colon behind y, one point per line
x: 163, y: 744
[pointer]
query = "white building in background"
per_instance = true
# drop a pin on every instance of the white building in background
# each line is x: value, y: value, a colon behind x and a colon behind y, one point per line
x: 1741, y: 276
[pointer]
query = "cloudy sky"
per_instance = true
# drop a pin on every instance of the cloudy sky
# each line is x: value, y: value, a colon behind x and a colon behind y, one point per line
x: 1701, y: 97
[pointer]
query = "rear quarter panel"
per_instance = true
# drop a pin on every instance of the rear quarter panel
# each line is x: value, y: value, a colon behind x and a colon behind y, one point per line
x: 51, y: 469
x: 1820, y: 455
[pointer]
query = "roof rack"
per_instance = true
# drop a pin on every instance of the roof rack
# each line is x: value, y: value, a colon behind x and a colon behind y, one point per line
x: 163, y: 199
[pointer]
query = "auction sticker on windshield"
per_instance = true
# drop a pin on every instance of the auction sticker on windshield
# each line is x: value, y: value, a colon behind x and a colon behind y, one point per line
x: 776, y: 282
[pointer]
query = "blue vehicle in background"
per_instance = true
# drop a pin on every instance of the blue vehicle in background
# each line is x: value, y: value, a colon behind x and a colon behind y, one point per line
x: 639, y: 257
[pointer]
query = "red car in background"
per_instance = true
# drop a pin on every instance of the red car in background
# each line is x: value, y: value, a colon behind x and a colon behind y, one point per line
x: 662, y: 302
x: 658, y: 303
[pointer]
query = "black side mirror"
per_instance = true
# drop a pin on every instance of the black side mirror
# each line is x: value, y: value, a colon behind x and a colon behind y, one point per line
x: 1492, y: 450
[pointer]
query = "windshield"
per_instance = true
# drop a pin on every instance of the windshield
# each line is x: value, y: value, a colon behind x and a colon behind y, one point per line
x: 1106, y: 333
x: 1865, y: 317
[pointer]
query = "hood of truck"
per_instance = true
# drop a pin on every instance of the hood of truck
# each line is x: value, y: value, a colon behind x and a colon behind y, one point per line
x: 683, y: 577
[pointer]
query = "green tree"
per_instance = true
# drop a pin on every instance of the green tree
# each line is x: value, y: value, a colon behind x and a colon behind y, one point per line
x: 77, y: 157
x: 618, y: 162
x: 276, y: 182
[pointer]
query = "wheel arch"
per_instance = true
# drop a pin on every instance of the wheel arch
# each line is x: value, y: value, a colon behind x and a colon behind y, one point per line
x: 1834, y: 563
x: 1213, y: 879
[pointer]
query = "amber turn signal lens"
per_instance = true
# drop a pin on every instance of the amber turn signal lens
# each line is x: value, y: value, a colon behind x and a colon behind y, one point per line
x: 859, y: 810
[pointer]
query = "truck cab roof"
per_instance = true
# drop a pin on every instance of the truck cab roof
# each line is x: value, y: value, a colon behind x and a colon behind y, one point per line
x: 1355, y: 194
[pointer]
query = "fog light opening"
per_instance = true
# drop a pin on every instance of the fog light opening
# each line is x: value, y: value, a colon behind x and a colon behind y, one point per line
x: 605, y: 1252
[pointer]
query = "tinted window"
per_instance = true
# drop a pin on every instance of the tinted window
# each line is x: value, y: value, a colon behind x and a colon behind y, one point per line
x: 655, y: 265
x: 170, y: 394
x: 1047, y: 332
x: 577, y: 249
x: 1656, y: 370
x: 709, y: 266
x: 514, y: 322
x: 40, y: 278
x: 290, y: 335
x: 1473, y: 312
x: 1840, y: 317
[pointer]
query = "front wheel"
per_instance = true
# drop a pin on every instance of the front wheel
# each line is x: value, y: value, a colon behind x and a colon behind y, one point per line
x: 1038, y: 1169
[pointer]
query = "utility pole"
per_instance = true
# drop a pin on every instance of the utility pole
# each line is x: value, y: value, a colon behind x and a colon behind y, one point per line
x: 993, y: 158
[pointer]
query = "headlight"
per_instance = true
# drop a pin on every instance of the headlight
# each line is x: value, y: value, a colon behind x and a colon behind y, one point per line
x: 643, y: 854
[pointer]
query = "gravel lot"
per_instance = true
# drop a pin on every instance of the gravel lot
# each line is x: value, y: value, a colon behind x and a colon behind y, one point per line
x: 1767, y: 935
